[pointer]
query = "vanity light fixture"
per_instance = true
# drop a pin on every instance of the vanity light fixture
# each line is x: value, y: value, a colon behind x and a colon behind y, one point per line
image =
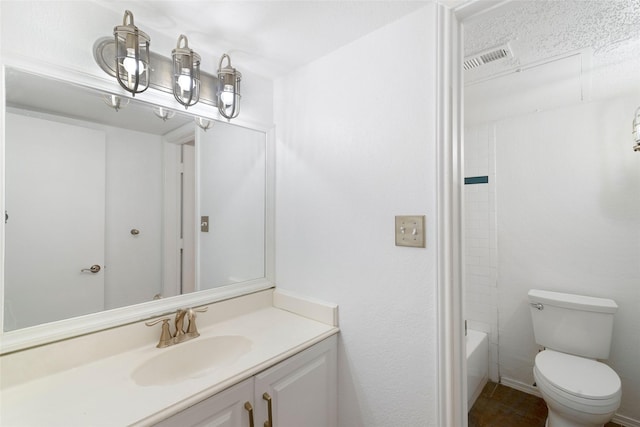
x: 228, y: 95
x: 115, y: 102
x: 636, y: 130
x: 131, y: 56
x: 186, y: 73
x: 126, y: 56
x: 163, y: 113
x: 203, y: 123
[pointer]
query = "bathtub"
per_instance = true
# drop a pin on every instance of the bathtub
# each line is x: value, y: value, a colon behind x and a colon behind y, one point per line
x: 477, y: 364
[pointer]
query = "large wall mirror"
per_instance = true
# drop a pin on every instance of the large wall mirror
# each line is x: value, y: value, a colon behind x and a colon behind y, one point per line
x: 108, y: 208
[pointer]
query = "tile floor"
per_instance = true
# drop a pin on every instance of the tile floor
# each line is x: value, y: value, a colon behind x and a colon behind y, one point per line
x: 502, y: 406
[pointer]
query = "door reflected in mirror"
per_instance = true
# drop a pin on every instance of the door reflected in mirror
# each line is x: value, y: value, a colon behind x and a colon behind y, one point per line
x: 105, y: 206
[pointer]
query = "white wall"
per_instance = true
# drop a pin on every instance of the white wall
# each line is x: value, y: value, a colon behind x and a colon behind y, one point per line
x: 568, y: 219
x: 355, y: 147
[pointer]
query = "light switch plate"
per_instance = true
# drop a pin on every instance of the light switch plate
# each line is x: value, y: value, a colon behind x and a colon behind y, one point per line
x: 410, y: 231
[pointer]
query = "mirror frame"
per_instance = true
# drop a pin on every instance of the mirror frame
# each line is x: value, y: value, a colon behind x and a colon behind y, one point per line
x: 21, y: 339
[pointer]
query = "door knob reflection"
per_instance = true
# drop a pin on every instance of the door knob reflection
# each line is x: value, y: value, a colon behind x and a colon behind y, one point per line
x: 93, y: 269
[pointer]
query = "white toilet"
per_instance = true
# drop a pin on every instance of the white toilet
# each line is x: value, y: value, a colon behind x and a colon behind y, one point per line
x: 575, y: 330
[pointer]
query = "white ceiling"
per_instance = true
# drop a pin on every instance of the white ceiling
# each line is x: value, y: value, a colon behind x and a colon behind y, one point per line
x: 268, y: 37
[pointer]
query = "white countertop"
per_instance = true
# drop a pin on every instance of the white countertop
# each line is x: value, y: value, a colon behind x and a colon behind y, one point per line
x: 102, y: 393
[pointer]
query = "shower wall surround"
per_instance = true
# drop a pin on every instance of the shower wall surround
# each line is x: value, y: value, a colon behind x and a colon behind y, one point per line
x: 481, y: 309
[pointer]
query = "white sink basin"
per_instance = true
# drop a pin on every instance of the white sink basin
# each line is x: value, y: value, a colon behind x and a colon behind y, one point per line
x: 190, y: 359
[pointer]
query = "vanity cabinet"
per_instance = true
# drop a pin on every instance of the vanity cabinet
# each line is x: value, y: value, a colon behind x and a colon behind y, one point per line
x: 302, y: 391
x: 225, y: 409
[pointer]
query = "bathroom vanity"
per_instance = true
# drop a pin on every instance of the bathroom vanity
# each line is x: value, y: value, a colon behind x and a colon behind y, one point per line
x: 303, y: 386
x: 266, y: 356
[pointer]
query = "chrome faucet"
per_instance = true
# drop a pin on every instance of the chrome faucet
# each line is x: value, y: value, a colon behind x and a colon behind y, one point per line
x: 166, y: 338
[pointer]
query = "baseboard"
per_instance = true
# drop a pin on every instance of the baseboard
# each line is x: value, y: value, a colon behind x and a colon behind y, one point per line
x: 530, y: 389
x: 518, y: 385
x: 625, y: 421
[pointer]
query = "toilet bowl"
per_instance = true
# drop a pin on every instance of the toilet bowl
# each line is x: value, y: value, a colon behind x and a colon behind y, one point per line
x: 579, y: 392
x: 576, y: 330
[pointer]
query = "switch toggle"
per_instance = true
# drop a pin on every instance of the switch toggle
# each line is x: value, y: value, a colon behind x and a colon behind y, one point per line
x: 410, y: 231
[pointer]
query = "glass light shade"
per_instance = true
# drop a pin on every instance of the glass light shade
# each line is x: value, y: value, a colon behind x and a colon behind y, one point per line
x: 115, y: 102
x: 132, y: 56
x: 227, y: 95
x: 129, y: 62
x: 163, y: 113
x: 186, y: 73
x: 228, y: 89
x: 185, y: 82
x: 203, y: 123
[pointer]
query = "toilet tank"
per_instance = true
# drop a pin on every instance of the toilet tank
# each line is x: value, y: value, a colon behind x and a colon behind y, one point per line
x: 573, y: 324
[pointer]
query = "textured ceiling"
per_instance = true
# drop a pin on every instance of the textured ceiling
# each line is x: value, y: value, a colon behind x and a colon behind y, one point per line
x: 539, y: 30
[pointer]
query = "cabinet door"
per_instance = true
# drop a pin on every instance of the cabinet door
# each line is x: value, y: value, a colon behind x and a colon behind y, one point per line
x: 303, y: 389
x: 225, y: 409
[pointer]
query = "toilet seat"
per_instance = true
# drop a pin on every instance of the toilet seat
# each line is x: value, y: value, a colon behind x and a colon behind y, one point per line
x: 578, y: 377
x: 582, y: 385
x: 556, y: 398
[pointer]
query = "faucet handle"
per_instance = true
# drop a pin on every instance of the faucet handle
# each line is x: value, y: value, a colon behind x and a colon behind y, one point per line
x: 192, y: 330
x: 155, y: 322
x: 165, y: 335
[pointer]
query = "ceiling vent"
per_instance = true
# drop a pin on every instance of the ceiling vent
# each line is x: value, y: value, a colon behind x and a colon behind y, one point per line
x: 474, y: 61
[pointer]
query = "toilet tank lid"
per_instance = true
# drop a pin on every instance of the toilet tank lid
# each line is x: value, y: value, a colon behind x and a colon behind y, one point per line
x: 577, y: 302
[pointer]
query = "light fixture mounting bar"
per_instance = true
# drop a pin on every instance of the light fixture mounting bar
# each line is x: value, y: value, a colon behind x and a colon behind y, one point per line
x: 161, y: 73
